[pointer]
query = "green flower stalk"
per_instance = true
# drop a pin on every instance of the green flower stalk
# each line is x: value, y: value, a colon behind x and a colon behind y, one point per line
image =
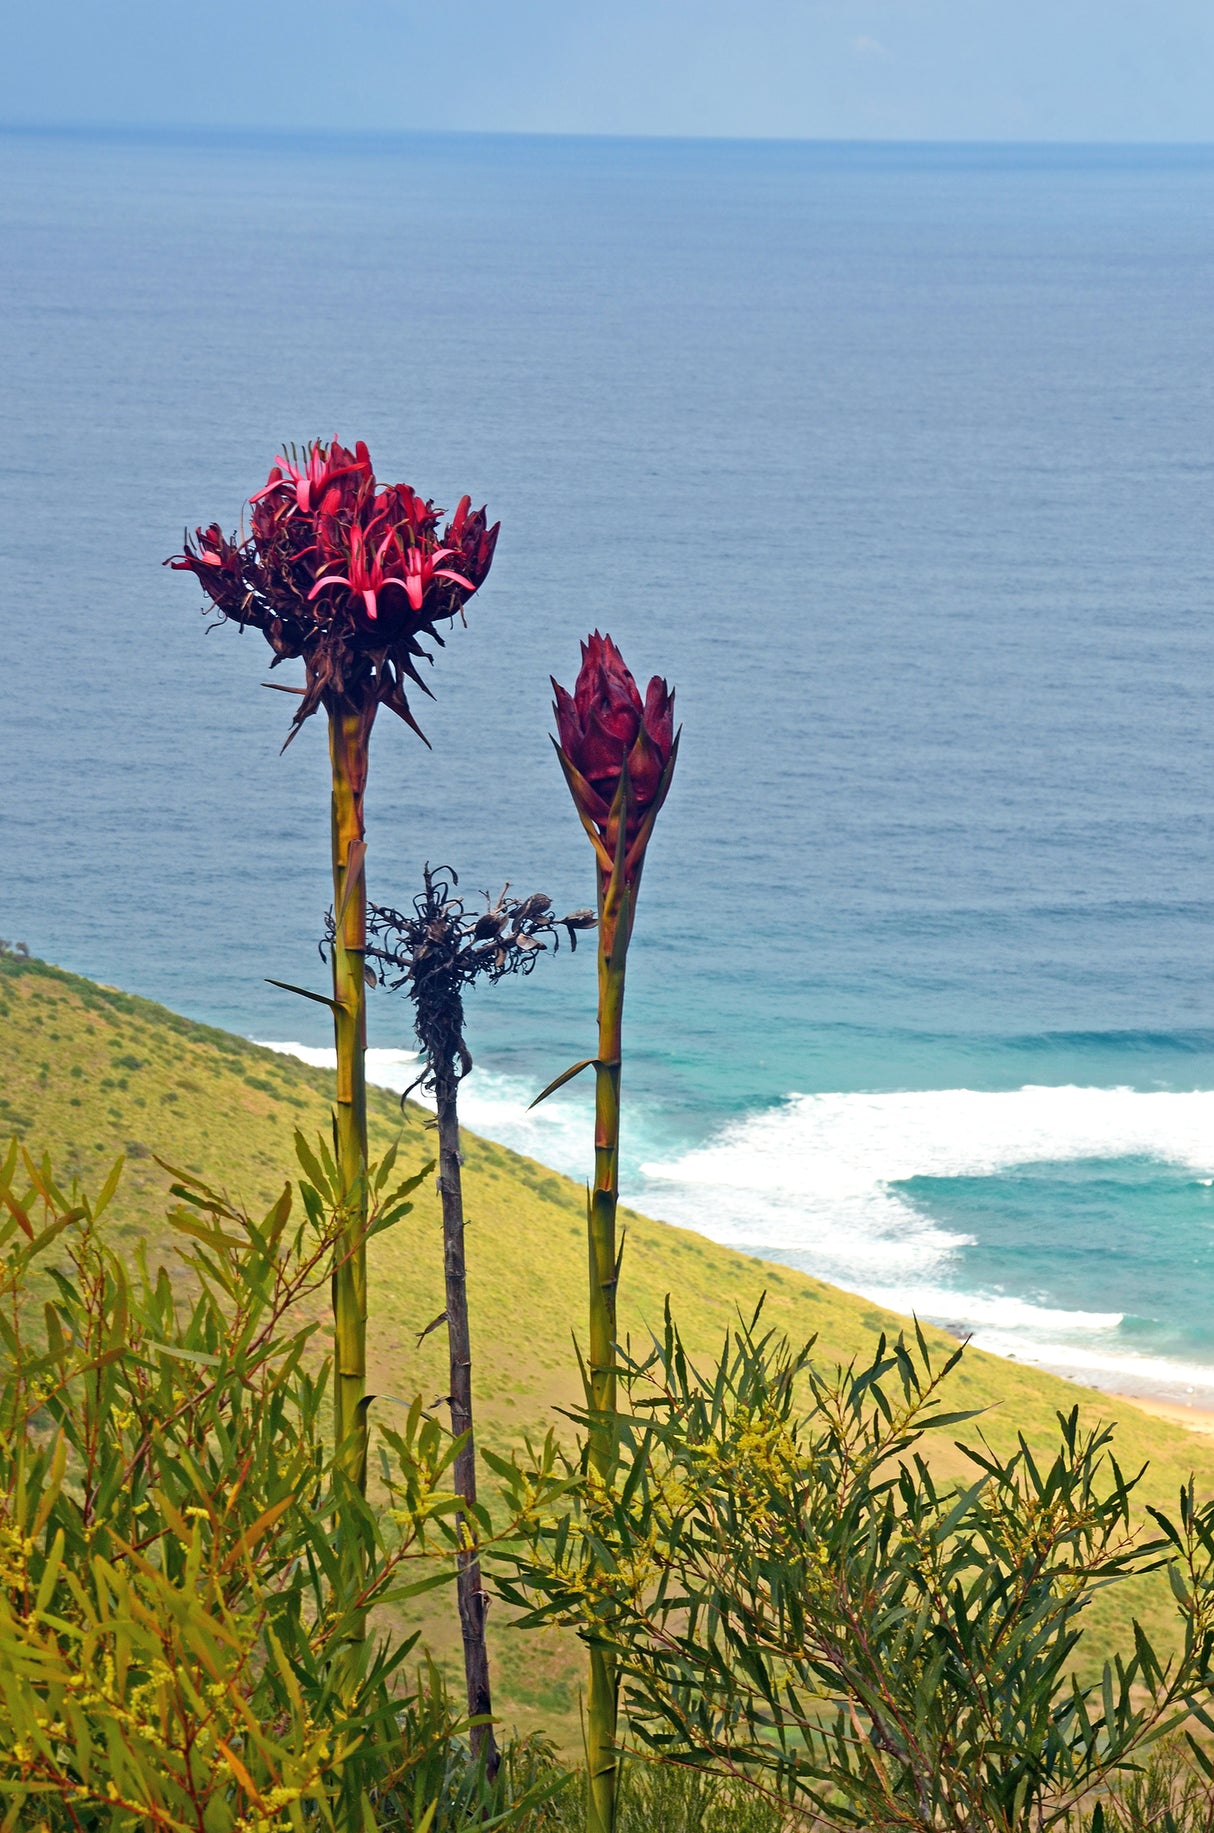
x: 348, y: 575
x: 618, y: 754
x: 348, y: 753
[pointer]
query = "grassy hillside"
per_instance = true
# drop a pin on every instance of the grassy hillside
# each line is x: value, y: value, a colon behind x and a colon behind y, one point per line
x: 87, y: 1072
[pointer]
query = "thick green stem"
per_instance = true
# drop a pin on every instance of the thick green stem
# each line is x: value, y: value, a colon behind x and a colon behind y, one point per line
x: 602, y: 1758
x: 619, y: 844
x: 604, y: 1199
x: 470, y: 1591
x: 349, y: 732
x: 602, y: 1700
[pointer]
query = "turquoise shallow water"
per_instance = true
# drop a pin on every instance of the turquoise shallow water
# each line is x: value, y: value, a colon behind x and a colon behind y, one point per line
x: 1138, y: 1231
x: 895, y: 460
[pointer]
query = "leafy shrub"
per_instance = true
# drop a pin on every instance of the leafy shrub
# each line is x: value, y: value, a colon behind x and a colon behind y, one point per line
x: 177, y: 1648
x: 791, y: 1595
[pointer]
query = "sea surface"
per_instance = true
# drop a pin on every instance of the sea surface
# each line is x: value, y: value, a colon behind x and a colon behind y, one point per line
x: 897, y: 461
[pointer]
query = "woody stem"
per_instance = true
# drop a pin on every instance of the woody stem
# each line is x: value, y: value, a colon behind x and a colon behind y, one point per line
x: 470, y: 1591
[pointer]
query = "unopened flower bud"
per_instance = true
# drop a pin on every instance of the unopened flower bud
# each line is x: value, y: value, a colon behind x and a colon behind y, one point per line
x: 608, y: 733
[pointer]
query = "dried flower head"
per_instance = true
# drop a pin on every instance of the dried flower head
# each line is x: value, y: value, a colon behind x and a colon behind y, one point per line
x: 344, y: 572
x: 441, y: 946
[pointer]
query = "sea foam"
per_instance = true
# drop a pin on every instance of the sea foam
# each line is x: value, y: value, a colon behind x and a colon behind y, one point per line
x: 813, y: 1180
x: 495, y: 1105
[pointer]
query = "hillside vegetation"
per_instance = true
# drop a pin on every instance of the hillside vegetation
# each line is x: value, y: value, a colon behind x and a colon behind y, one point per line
x: 87, y: 1072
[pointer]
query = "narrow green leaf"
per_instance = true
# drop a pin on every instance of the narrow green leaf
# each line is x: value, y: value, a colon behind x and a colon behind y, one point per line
x: 109, y: 1187
x: 565, y: 1076
x: 320, y: 999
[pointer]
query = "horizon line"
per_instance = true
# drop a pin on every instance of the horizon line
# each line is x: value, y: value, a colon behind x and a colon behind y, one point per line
x: 272, y: 131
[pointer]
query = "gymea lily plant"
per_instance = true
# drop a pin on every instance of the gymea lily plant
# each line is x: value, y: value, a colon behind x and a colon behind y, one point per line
x: 618, y: 754
x: 349, y: 576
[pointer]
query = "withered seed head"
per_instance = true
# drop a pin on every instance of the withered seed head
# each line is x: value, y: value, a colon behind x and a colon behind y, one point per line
x: 441, y: 947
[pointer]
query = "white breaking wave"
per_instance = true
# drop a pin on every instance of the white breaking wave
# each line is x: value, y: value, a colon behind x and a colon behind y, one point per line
x: 393, y: 1069
x: 812, y: 1180
x: 844, y: 1144
x: 992, y: 1311
x: 815, y: 1179
x: 816, y: 1173
x: 491, y: 1104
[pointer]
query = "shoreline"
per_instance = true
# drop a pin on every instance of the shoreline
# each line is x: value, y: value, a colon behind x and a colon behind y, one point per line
x: 1193, y: 1417
x: 1177, y: 1392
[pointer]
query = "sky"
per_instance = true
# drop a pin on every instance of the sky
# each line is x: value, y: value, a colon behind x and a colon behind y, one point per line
x: 1112, y: 70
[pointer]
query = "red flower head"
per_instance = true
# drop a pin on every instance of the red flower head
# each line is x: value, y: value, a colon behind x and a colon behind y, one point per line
x: 617, y: 750
x: 344, y: 572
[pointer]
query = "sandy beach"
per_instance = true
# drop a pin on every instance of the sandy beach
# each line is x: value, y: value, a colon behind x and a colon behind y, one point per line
x: 1195, y: 1417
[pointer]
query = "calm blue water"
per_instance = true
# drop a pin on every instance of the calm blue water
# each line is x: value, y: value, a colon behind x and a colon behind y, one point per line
x: 896, y: 461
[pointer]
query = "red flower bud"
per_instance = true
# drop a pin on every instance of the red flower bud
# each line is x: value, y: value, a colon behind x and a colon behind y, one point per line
x: 606, y: 730
x: 344, y: 572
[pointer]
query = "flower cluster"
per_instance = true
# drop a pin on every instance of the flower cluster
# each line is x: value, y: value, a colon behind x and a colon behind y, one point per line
x: 343, y: 572
x: 616, y: 749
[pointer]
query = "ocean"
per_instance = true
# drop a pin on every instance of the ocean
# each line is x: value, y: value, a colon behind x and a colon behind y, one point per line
x: 894, y: 459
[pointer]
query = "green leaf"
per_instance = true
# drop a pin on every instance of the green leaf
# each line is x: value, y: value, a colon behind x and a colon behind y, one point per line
x: 109, y: 1187
x: 181, y: 1354
x: 566, y: 1075
x: 319, y: 999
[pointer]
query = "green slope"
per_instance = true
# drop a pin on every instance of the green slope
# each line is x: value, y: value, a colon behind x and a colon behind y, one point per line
x: 87, y: 1072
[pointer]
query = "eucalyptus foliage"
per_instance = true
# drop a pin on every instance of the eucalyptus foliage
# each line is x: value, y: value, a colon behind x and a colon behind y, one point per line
x: 794, y: 1597
x: 175, y: 1631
